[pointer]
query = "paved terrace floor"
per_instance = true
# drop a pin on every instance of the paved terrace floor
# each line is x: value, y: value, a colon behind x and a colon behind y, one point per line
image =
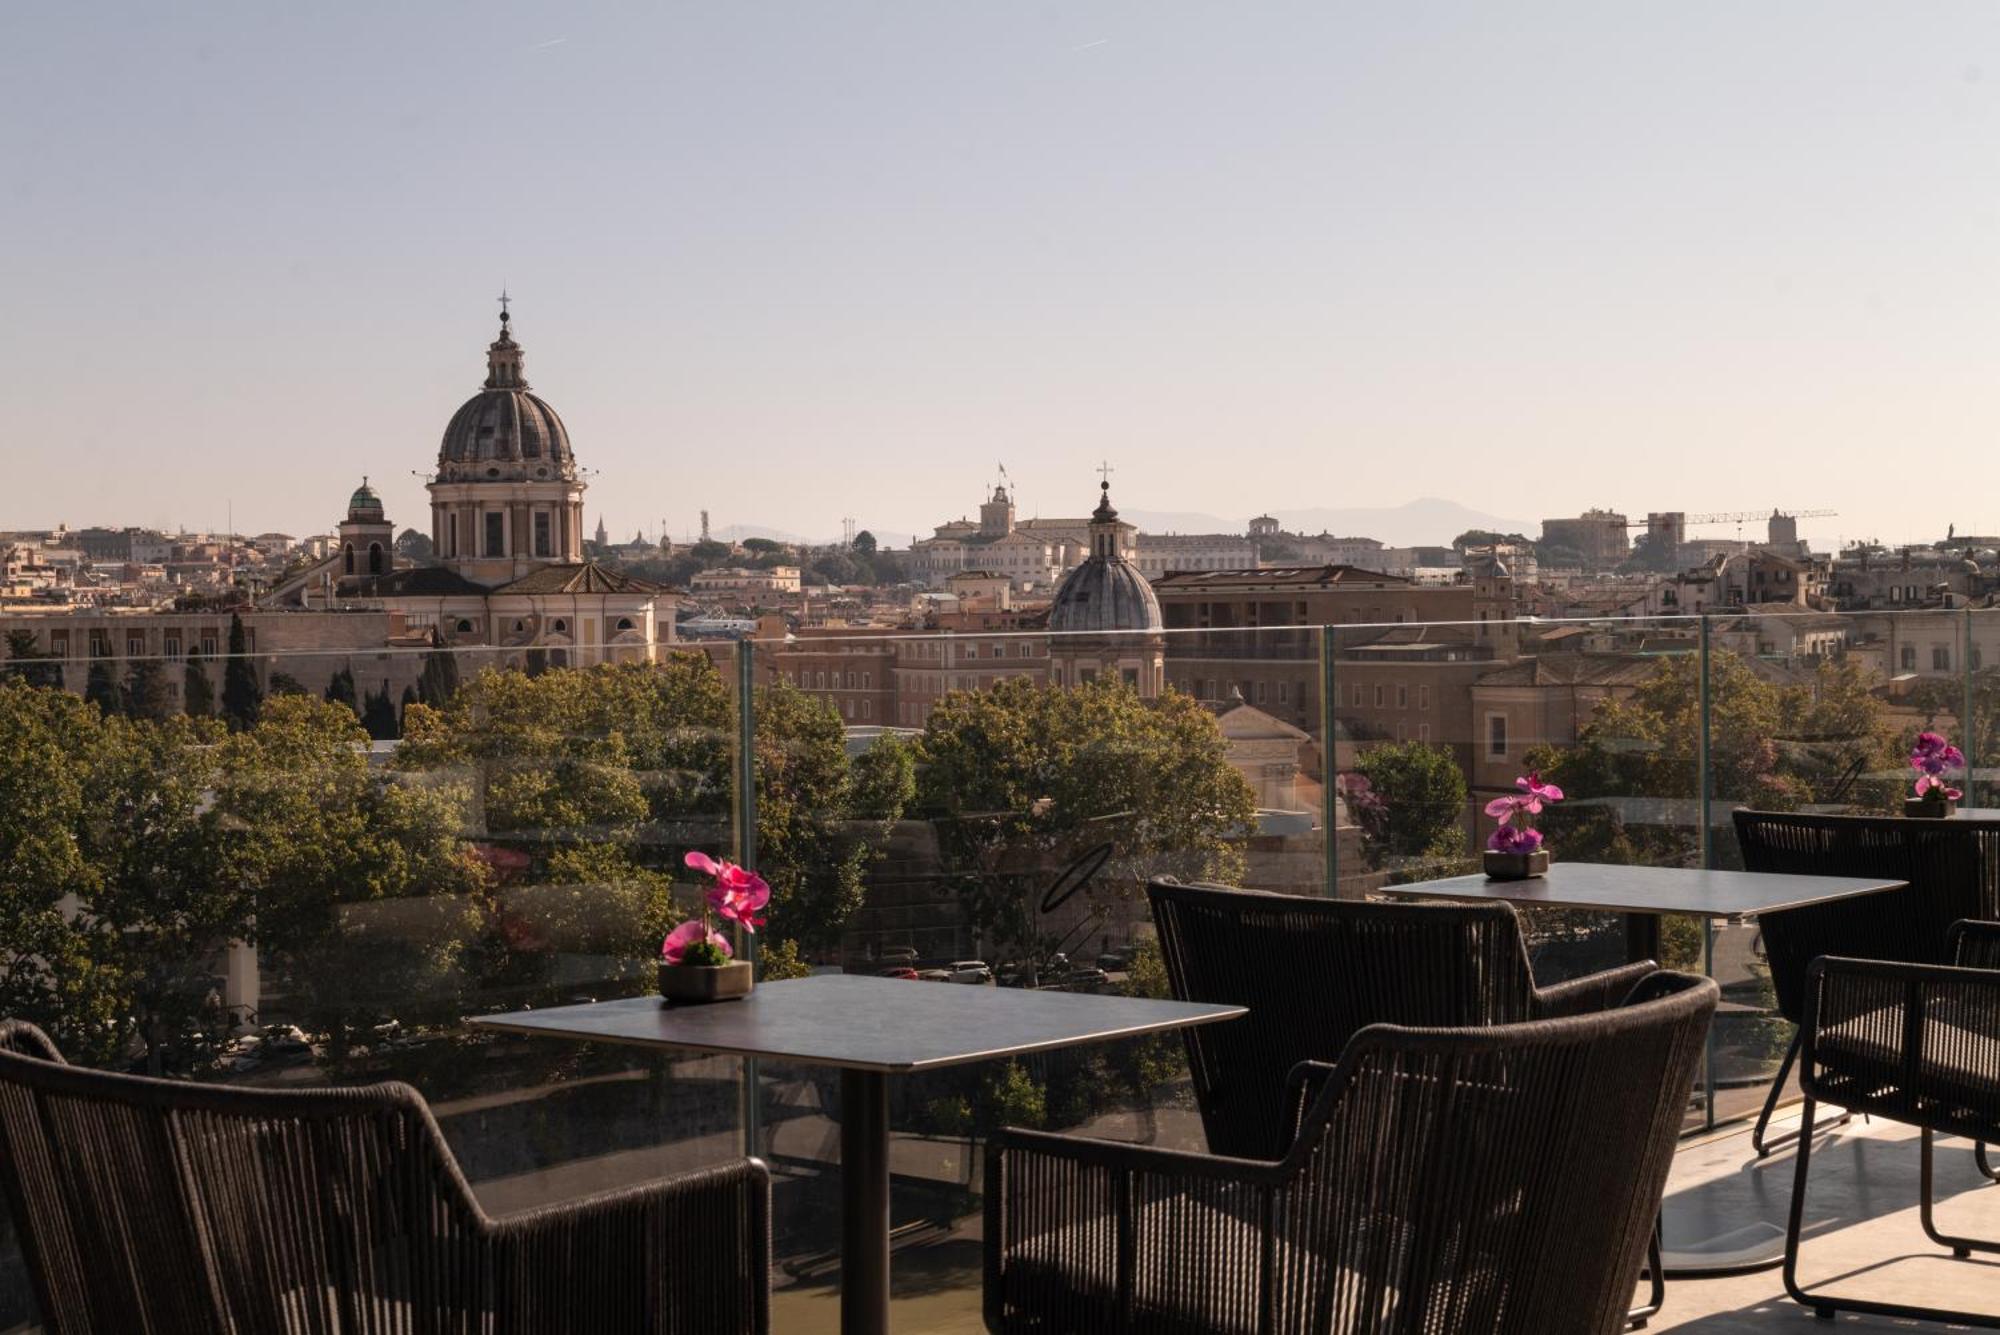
x: 1865, y: 1239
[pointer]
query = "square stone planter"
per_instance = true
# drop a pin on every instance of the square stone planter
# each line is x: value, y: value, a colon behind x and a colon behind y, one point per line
x: 694, y: 984
x: 1515, y: 866
x: 1919, y: 808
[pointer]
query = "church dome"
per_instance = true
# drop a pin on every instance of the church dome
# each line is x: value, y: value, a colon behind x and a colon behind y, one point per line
x: 504, y: 431
x: 364, y: 505
x: 1106, y: 592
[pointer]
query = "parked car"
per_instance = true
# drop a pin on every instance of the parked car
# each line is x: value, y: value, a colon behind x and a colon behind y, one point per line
x: 935, y: 975
x: 899, y: 971
x: 1086, y: 978
x: 1113, y: 962
x: 893, y: 955
x: 969, y: 971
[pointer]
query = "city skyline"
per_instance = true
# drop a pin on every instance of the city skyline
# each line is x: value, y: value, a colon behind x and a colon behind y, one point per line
x: 795, y: 266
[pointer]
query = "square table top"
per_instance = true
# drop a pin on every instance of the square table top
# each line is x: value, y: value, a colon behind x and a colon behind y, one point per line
x: 1611, y: 888
x: 873, y: 1024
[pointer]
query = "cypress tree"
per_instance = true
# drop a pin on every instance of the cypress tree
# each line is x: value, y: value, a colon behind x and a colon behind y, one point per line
x: 439, y: 681
x: 101, y: 688
x: 378, y: 715
x: 340, y: 690
x: 197, y: 691
x: 242, y: 698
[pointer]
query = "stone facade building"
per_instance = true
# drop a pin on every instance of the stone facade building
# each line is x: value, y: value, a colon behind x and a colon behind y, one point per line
x: 507, y: 529
x: 1105, y: 620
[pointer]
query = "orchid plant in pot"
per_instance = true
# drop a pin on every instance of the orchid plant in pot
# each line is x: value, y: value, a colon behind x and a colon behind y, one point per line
x: 1514, y: 850
x: 1933, y: 757
x: 696, y: 960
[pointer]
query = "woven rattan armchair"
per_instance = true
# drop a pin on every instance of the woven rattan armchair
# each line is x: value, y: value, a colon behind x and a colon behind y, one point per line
x: 216, y: 1210
x: 1912, y: 1043
x: 1314, y: 972
x: 1483, y: 1181
x: 1950, y: 869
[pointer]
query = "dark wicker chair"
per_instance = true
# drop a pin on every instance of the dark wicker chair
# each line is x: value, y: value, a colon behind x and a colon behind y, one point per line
x: 216, y: 1210
x: 1484, y: 1181
x: 1949, y: 865
x: 1314, y: 972
x: 1912, y: 1043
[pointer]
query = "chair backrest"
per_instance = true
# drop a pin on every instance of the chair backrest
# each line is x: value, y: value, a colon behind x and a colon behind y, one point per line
x: 1313, y: 972
x: 1949, y: 866
x: 1499, y: 1181
x: 225, y: 1210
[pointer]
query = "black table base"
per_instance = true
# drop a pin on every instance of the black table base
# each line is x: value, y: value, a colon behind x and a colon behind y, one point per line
x: 864, y: 1209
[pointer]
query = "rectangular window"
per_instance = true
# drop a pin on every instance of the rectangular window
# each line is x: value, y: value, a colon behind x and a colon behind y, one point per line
x: 542, y: 535
x: 1356, y: 693
x: 1496, y: 736
x: 1402, y: 697
x: 496, y: 533
x: 1260, y: 692
x: 1284, y: 692
x: 1423, y: 732
x: 173, y: 645
x: 1423, y: 697
x: 135, y: 646
x: 208, y: 645
x: 1909, y: 658
x: 1940, y: 658
x: 1379, y: 695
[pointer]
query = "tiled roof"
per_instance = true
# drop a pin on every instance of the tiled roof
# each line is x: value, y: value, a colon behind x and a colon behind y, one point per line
x: 418, y: 581
x: 1573, y: 670
x: 1315, y: 577
x: 580, y: 577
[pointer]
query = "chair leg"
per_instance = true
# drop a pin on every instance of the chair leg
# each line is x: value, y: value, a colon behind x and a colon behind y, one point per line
x: 1758, y: 1140
x: 1656, y: 1275
x: 1825, y: 1305
x: 1985, y: 1164
x: 1960, y: 1247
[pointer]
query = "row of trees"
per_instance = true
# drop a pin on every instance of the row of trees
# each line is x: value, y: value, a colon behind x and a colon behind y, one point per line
x: 528, y: 823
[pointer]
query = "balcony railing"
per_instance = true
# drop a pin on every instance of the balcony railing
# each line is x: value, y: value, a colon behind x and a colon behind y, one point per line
x: 292, y: 869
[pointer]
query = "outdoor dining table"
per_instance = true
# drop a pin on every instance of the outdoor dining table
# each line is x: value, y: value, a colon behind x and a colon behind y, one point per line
x: 1644, y: 895
x: 871, y: 1029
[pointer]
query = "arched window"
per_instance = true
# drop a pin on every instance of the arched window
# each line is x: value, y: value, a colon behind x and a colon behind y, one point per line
x: 374, y: 558
x: 347, y: 559
x: 464, y: 626
x: 625, y: 623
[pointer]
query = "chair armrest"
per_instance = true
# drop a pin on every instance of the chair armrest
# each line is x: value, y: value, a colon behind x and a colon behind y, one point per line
x: 1303, y: 1084
x: 691, y: 1252
x: 1069, y: 1227
x: 1916, y: 1043
x: 1592, y: 993
x: 1975, y: 945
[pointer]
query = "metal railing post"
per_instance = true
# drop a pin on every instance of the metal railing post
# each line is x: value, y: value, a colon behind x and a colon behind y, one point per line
x: 1329, y: 796
x: 1965, y: 719
x: 1702, y: 782
x: 745, y: 811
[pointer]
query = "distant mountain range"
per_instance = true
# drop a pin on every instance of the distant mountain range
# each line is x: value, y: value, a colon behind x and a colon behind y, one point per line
x: 1429, y: 521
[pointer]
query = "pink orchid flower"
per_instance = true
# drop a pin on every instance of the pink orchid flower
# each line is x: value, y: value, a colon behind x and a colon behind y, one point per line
x: 737, y: 893
x: 1512, y: 839
x: 1931, y: 783
x: 740, y: 903
x: 1531, y: 784
x: 1503, y: 809
x: 691, y: 933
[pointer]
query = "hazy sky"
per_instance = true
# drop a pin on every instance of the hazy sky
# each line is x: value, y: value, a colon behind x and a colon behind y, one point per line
x: 797, y: 261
